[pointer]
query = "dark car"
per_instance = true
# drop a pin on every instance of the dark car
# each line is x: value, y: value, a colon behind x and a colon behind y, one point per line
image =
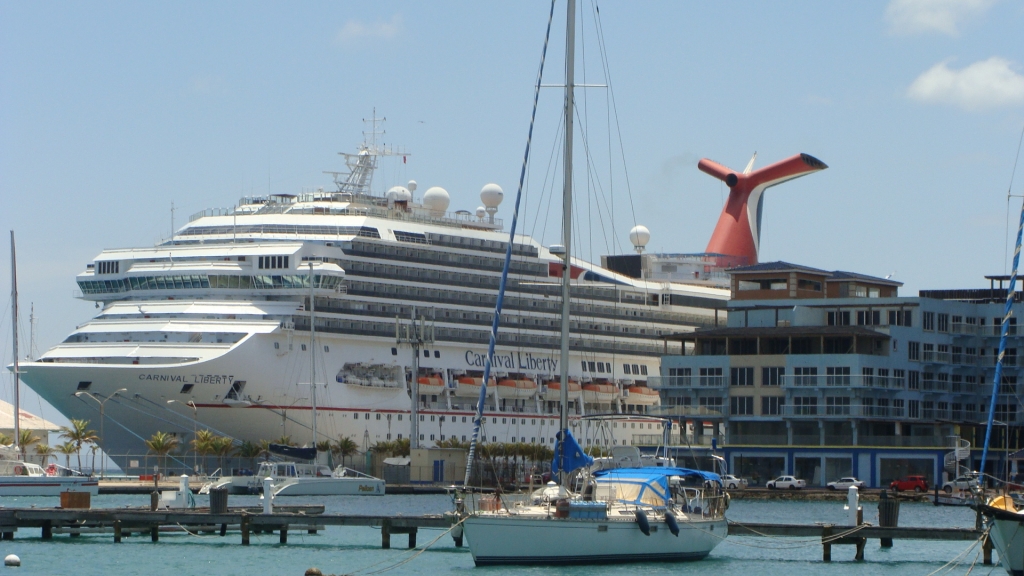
x: 915, y: 483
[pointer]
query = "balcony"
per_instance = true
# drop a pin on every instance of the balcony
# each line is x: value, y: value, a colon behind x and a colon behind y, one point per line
x: 844, y: 381
x: 933, y: 357
x: 687, y: 382
x: 758, y: 440
x: 963, y: 329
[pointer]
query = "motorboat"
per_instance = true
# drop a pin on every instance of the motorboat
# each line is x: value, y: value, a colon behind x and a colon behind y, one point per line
x: 297, y: 479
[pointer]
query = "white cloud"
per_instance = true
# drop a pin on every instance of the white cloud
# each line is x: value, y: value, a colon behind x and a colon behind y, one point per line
x: 915, y: 16
x: 356, y: 30
x: 986, y: 84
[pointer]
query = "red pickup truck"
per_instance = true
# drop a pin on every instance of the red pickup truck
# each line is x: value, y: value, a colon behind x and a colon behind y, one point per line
x: 915, y: 483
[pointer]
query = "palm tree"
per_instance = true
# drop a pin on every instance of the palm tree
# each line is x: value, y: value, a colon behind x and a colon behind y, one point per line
x: 284, y: 441
x: 80, y: 434
x: 202, y: 444
x: 5, y: 440
x: 25, y: 439
x: 250, y: 451
x: 45, y: 450
x: 67, y: 449
x: 345, y: 447
x: 222, y: 447
x: 265, y: 449
x: 162, y: 444
x: 403, y: 447
x: 94, y: 449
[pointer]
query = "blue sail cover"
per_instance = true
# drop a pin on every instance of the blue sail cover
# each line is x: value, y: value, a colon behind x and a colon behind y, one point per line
x: 573, y: 456
x: 648, y: 485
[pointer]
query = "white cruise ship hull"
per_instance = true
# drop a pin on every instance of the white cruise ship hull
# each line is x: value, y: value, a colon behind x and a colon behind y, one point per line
x: 499, y: 539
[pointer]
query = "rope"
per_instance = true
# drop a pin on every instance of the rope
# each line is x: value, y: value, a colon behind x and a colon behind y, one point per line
x: 956, y: 561
x: 418, y: 551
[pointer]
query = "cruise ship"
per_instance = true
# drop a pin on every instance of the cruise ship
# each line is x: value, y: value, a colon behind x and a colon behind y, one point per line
x: 211, y: 328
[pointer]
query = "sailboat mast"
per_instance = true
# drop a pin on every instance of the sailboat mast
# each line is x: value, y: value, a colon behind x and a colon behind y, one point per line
x: 14, y: 328
x: 312, y: 352
x: 570, y: 65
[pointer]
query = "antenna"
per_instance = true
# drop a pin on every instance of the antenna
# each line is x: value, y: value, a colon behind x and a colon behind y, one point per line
x: 31, y: 331
x: 172, y: 219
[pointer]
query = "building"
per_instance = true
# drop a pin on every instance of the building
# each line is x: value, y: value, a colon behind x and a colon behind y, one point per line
x: 828, y: 374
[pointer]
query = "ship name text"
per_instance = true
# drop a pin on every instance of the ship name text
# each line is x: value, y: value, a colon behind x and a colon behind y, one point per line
x: 513, y: 361
x: 190, y: 378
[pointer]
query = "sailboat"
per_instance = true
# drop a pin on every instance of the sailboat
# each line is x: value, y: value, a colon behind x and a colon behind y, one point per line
x: 639, y: 514
x: 17, y: 477
x: 302, y: 479
x: 1005, y: 521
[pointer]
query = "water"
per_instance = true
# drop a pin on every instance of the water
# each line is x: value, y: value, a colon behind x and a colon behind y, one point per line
x: 356, y: 550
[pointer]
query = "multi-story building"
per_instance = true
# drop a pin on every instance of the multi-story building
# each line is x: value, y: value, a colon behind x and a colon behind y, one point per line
x: 828, y: 374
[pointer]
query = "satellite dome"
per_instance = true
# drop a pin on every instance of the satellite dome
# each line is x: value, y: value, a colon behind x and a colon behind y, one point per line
x: 435, y: 199
x: 411, y: 185
x: 491, y: 195
x: 481, y: 212
x: 399, y: 194
x: 639, y: 236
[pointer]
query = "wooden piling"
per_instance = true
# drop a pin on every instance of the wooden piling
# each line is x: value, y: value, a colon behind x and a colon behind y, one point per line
x: 860, y: 549
x: 826, y: 544
x: 245, y: 530
x: 986, y: 550
x: 412, y: 538
x: 284, y: 534
x: 223, y: 529
x: 385, y: 535
x: 47, y: 530
x: 154, y: 534
x: 117, y: 531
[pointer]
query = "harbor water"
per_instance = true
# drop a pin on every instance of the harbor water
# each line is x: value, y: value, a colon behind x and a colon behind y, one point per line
x: 357, y: 550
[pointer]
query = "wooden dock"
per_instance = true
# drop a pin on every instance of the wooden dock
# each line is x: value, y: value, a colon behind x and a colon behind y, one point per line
x: 858, y: 536
x: 123, y: 522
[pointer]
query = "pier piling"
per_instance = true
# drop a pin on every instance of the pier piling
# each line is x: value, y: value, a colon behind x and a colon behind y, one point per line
x: 117, y: 531
x: 47, y: 531
x: 245, y: 530
x: 284, y: 534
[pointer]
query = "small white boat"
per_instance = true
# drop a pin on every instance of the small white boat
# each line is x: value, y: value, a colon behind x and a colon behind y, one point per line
x: 20, y: 478
x: 296, y: 479
x: 1006, y: 528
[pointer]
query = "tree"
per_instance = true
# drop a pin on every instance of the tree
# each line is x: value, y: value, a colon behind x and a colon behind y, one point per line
x: 250, y: 451
x: 284, y: 441
x: 222, y: 447
x: 161, y: 443
x: 94, y: 449
x: 45, y: 450
x: 345, y: 447
x: 26, y: 439
x: 202, y: 444
x: 5, y: 440
x: 67, y: 449
x: 80, y: 434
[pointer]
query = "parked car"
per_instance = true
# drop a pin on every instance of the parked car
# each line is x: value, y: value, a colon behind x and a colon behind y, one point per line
x: 845, y: 483
x: 733, y: 483
x: 965, y: 482
x: 786, y: 482
x: 915, y: 483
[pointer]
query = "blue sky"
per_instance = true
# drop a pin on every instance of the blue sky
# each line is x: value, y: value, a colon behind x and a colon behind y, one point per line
x: 109, y: 112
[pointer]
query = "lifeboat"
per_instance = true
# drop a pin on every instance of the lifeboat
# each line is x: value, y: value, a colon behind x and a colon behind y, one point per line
x: 469, y: 386
x: 600, y: 393
x: 554, y: 391
x: 516, y: 389
x: 642, y: 395
x: 431, y: 385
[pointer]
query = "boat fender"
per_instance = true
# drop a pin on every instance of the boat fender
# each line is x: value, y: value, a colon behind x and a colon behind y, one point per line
x: 728, y: 500
x: 673, y: 526
x: 641, y: 520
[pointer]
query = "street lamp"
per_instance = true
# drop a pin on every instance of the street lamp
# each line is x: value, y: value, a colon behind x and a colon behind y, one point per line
x: 195, y: 416
x: 102, y: 403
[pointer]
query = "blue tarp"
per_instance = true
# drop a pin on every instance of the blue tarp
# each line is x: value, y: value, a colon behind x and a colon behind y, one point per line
x: 573, y: 456
x: 655, y: 471
x: 648, y: 485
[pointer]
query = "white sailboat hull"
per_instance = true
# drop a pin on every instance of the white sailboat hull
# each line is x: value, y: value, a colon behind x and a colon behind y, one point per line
x: 46, y: 485
x: 506, y: 539
x: 1008, y: 538
x: 329, y: 487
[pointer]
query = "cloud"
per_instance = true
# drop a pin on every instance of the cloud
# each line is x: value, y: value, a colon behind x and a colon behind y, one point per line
x: 986, y: 84
x: 907, y: 17
x: 356, y: 30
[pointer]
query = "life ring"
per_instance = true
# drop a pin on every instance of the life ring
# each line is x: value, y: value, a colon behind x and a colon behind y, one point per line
x: 51, y: 470
x: 18, y: 470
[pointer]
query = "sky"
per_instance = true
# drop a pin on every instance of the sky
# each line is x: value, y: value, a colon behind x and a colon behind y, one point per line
x: 113, y: 112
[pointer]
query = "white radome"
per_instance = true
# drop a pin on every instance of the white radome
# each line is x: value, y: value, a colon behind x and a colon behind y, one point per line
x: 491, y: 195
x: 411, y: 185
x: 399, y: 194
x: 481, y: 212
x: 639, y: 236
x: 436, y: 200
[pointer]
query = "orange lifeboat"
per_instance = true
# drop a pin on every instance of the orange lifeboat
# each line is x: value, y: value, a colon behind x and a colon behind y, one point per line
x: 469, y: 386
x: 516, y: 389
x: 600, y: 393
x: 554, y: 391
x: 431, y: 385
x: 642, y: 395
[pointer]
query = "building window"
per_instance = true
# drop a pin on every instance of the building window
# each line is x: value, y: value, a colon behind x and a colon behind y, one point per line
x: 273, y: 262
x: 869, y: 406
x: 900, y: 318
x: 914, y: 409
x: 868, y: 376
x: 869, y: 317
x: 839, y: 318
x: 928, y: 321
x: 897, y: 408
x: 679, y: 376
x: 772, y: 375
x: 772, y: 405
x: 805, y: 405
x: 898, y: 377
x: 643, y: 369
x: 710, y: 377
x: 592, y: 367
x: 837, y: 376
x: 837, y: 406
x: 943, y: 322
x: 914, y: 380
x: 804, y: 284
x: 712, y: 402
x: 741, y: 406
x: 913, y: 350
x: 625, y: 369
x: 741, y: 376
x: 805, y: 376
x: 600, y: 367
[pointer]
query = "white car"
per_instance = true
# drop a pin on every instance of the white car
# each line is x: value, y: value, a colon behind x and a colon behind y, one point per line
x: 960, y: 483
x: 790, y: 482
x: 733, y: 483
x: 845, y: 483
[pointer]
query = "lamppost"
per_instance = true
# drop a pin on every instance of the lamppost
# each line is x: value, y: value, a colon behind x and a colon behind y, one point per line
x: 195, y: 416
x: 102, y: 404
